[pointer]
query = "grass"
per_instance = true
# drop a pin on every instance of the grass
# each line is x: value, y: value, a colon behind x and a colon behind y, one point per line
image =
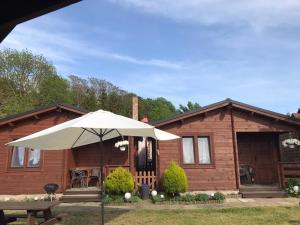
x: 238, y: 216
x: 230, y: 216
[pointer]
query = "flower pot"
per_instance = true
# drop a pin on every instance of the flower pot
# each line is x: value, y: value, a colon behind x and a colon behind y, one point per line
x: 122, y: 148
x: 144, y: 191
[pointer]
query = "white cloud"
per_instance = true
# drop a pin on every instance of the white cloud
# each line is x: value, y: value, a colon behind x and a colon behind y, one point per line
x: 65, y: 47
x: 257, y: 13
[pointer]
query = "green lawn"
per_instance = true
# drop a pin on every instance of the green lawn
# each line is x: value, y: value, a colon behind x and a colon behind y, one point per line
x: 232, y: 216
x: 78, y: 215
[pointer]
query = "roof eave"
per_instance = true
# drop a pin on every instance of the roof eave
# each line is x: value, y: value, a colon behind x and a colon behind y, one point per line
x: 25, y: 115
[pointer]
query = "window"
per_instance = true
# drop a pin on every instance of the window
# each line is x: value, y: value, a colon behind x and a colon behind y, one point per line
x: 188, y: 150
x: 18, y: 157
x: 204, y: 150
x: 25, y: 158
x: 34, y: 156
x: 197, y: 150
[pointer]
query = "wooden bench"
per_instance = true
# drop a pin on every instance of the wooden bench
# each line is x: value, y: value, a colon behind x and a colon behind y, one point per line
x: 35, y: 210
x: 13, y: 217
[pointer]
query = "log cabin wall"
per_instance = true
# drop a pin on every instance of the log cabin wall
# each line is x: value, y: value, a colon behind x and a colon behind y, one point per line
x: 53, y: 163
x: 89, y: 155
x: 222, y: 126
x: 268, y: 170
x: 251, y: 122
x: 218, y: 176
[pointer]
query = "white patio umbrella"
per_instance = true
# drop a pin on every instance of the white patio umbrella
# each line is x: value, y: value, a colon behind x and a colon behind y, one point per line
x: 90, y: 128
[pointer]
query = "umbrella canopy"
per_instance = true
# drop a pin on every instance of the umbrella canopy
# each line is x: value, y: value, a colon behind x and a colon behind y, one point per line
x: 87, y: 129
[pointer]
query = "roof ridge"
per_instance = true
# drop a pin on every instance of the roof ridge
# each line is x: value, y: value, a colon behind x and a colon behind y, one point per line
x: 223, y: 103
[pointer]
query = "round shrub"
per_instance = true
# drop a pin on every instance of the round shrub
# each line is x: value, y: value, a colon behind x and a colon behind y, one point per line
x: 218, y: 196
x: 158, y: 198
x: 174, y: 180
x: 119, y: 181
x: 202, y: 197
x: 188, y: 198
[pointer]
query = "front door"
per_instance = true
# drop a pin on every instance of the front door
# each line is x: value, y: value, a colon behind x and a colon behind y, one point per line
x: 259, y: 151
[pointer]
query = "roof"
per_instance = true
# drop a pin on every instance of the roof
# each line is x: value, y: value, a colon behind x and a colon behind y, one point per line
x: 234, y: 104
x: 34, y: 113
x: 13, y: 12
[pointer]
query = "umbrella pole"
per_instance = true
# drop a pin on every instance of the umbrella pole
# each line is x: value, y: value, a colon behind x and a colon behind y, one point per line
x: 101, y: 179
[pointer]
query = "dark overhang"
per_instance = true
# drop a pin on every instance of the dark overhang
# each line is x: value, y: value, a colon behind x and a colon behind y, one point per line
x: 13, y: 12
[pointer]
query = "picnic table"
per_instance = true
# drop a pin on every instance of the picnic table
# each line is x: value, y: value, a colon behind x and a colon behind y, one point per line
x: 32, y: 209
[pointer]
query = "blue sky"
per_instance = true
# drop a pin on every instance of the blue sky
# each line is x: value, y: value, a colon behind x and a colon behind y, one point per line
x: 199, y: 50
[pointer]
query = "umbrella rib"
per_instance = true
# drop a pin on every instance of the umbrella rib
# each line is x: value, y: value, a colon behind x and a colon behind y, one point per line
x: 92, y: 132
x: 119, y: 133
x: 98, y: 134
x: 107, y: 132
x: 78, y: 138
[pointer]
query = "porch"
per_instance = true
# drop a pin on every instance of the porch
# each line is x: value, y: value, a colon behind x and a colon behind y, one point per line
x: 139, y: 158
x: 89, y: 193
x: 265, y: 165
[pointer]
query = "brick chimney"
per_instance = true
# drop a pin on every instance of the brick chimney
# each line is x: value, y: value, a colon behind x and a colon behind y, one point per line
x: 135, y: 107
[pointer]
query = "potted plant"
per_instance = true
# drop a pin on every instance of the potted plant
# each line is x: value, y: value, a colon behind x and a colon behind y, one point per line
x: 122, y: 145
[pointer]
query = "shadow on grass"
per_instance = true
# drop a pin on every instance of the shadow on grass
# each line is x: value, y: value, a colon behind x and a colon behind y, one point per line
x: 82, y: 214
x: 294, y: 222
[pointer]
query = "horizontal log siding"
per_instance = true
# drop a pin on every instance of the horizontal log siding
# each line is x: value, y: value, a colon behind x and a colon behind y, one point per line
x: 20, y: 181
x: 89, y: 155
x: 219, y: 177
x: 247, y: 122
x: 218, y: 123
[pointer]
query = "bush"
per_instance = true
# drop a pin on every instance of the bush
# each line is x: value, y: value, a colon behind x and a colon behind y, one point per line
x: 158, y: 198
x: 134, y: 198
x: 290, y: 186
x: 119, y: 199
x: 218, y: 196
x: 202, y: 197
x: 113, y: 199
x: 119, y: 181
x: 174, y: 180
x: 188, y: 198
x: 293, y: 182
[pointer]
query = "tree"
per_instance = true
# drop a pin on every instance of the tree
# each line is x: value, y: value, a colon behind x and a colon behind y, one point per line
x: 79, y: 90
x: 21, y: 74
x: 53, y: 89
x: 156, y: 109
x: 28, y: 81
x: 189, y: 107
x: 94, y: 93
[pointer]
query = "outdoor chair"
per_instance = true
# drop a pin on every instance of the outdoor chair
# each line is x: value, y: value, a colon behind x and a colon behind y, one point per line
x: 95, y: 176
x: 78, y: 177
x: 247, y: 174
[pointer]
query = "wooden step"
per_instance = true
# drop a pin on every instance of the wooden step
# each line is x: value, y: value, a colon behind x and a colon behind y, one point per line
x: 263, y: 188
x: 80, y: 198
x: 264, y: 194
x: 81, y: 192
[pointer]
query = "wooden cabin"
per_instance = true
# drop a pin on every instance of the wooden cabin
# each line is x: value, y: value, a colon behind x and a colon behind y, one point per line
x: 220, y: 140
x: 217, y: 143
